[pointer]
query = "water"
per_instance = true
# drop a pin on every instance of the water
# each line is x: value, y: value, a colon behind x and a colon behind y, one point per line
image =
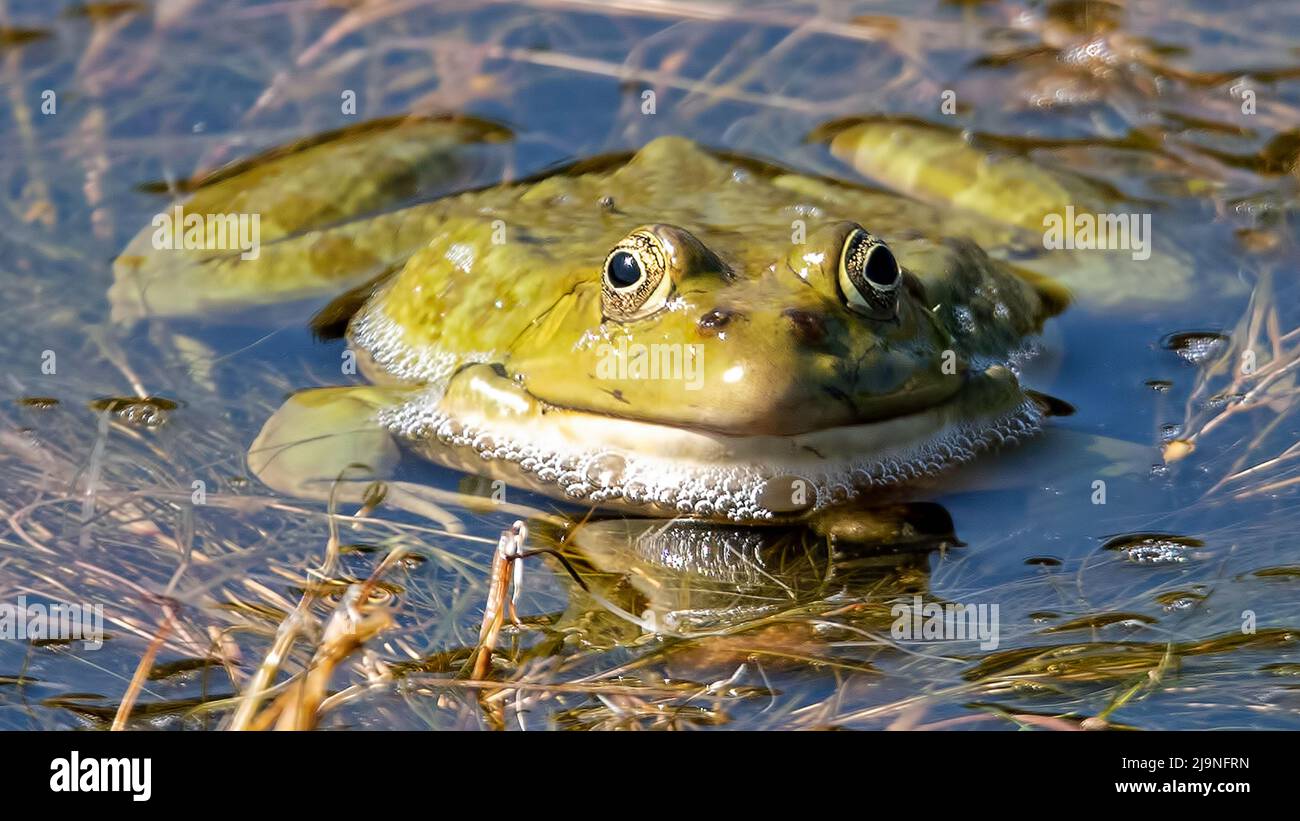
x: 1173, y: 604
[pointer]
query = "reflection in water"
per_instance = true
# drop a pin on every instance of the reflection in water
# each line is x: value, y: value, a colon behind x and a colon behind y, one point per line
x: 687, y: 578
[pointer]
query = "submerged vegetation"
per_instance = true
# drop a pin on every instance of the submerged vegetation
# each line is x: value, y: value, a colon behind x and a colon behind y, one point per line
x: 1175, y: 604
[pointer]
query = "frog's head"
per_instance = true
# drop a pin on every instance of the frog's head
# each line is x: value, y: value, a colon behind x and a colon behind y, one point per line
x: 742, y: 333
x: 686, y: 334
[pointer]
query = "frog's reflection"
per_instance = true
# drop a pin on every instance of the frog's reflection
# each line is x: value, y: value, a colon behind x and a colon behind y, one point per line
x: 687, y: 578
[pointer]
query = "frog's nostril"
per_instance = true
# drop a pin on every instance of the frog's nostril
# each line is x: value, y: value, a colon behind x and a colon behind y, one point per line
x: 716, y: 320
x: 809, y: 328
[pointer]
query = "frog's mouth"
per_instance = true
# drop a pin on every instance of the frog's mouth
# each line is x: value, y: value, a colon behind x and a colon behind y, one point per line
x: 483, y: 422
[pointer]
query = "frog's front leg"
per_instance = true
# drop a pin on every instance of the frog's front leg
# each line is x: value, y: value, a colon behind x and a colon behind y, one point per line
x: 885, y: 527
x: 327, y: 444
x: 323, y: 437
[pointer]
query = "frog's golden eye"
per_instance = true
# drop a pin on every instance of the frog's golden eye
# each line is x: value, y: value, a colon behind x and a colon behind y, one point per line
x: 635, y: 282
x: 869, y: 275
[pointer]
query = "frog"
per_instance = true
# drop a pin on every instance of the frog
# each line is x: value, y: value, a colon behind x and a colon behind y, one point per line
x: 675, y: 330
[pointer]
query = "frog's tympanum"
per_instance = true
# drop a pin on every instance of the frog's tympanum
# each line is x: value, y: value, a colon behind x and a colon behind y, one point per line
x: 675, y: 331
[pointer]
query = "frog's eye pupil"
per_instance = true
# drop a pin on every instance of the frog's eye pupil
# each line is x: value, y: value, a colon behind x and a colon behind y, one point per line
x: 623, y: 269
x: 881, y: 267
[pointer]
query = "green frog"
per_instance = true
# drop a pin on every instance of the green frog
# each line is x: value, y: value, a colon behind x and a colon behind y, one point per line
x: 672, y: 331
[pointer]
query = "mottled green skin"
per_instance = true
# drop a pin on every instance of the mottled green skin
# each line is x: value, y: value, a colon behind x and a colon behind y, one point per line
x: 486, y: 308
x: 512, y: 273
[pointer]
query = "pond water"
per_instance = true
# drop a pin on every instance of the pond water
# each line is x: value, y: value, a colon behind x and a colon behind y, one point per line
x: 1137, y: 565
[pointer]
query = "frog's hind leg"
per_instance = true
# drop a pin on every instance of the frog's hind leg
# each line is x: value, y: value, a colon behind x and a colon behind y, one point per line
x: 326, y: 444
x: 1023, y: 205
x: 936, y: 164
x: 303, y: 220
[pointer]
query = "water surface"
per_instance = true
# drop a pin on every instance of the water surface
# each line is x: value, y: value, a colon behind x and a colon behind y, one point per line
x: 1173, y: 605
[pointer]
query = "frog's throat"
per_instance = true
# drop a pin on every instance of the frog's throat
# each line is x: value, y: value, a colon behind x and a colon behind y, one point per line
x: 482, y: 422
